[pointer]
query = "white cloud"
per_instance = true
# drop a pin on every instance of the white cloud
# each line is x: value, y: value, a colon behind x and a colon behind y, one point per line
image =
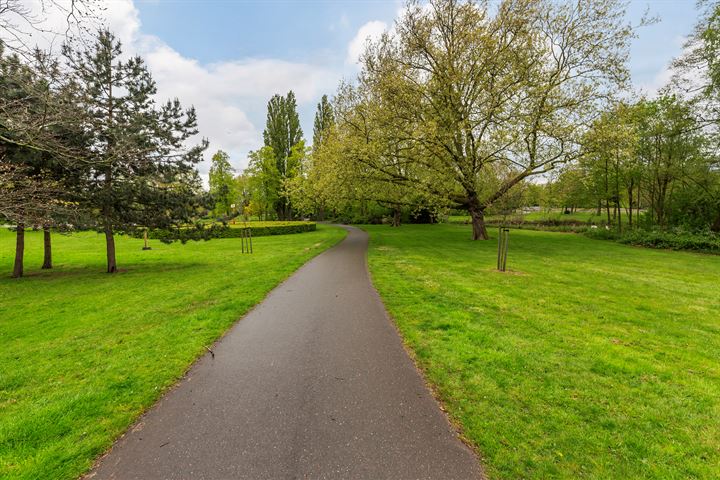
x: 661, y: 79
x: 226, y: 95
x: 370, y: 31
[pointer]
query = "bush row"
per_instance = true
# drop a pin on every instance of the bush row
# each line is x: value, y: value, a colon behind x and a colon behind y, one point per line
x: 266, y: 230
x: 204, y: 232
x: 707, y: 242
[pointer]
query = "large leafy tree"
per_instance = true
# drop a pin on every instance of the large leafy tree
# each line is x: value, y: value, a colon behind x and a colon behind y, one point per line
x: 140, y: 171
x: 474, y: 95
x: 222, y: 183
x: 282, y: 133
x: 264, y: 181
x: 670, y: 147
x: 610, y: 161
x: 698, y: 77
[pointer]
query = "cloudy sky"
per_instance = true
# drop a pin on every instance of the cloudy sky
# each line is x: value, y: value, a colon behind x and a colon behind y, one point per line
x: 228, y: 57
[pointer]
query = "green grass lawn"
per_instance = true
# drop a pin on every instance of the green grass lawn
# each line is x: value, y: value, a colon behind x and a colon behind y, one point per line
x: 83, y: 353
x: 590, y: 360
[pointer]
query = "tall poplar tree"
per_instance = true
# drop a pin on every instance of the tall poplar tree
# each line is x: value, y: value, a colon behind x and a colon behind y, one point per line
x: 140, y: 173
x: 324, y: 118
x: 282, y: 133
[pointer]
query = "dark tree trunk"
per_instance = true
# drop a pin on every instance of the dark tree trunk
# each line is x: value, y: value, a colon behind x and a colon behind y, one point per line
x: 19, y: 251
x: 47, y: 248
x: 630, y: 204
x: 607, y: 208
x: 396, y: 217
x: 477, y: 215
x: 716, y: 225
x: 110, y: 245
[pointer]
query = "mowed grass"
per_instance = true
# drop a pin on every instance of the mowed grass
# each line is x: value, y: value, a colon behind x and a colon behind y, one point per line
x: 83, y: 353
x: 589, y: 360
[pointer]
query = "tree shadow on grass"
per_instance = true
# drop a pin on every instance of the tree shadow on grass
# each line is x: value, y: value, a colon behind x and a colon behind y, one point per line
x: 98, y: 271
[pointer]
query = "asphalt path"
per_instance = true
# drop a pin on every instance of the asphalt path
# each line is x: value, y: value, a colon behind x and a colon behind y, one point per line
x: 312, y: 383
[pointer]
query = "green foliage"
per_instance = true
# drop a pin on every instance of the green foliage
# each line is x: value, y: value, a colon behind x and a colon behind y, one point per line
x: 94, y: 352
x: 140, y: 171
x: 282, y: 129
x: 461, y: 102
x: 675, y: 239
x: 222, y: 183
x: 264, y: 182
x: 282, y: 134
x: 588, y: 359
x: 324, y: 119
x: 207, y: 232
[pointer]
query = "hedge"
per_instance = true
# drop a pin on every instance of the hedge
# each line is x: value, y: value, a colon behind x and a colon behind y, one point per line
x: 707, y: 242
x: 234, y: 231
x: 225, y: 231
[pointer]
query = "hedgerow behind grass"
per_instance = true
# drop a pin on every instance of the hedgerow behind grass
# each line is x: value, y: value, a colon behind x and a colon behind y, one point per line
x: 677, y: 239
x: 233, y: 230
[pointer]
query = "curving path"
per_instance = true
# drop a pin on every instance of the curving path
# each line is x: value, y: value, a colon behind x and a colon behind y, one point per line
x: 312, y: 383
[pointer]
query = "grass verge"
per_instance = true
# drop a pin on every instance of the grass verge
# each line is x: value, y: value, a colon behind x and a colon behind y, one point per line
x: 84, y: 353
x: 590, y: 359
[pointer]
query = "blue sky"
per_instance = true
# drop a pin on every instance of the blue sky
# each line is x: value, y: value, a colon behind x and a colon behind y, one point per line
x: 201, y: 50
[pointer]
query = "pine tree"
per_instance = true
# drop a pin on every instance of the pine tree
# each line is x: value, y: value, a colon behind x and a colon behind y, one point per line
x: 140, y: 172
x: 34, y: 144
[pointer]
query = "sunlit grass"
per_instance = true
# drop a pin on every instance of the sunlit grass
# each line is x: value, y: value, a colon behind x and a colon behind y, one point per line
x: 589, y: 359
x: 83, y: 353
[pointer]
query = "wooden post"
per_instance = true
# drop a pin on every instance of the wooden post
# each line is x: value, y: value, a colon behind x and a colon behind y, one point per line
x: 145, y: 238
x: 503, y: 240
x: 507, y: 240
x: 500, y: 246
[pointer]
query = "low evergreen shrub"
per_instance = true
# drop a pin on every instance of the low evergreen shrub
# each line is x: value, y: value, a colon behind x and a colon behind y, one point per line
x: 207, y: 232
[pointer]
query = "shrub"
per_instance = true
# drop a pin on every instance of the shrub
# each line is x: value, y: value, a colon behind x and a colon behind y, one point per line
x: 677, y: 239
x: 206, y: 232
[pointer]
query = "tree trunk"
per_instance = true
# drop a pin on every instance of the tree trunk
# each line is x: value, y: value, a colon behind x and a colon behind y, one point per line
x: 607, y: 208
x: 110, y: 246
x: 637, y: 217
x: 19, y: 251
x: 47, y: 248
x: 477, y: 215
x: 396, y: 217
x: 630, y: 204
x: 716, y: 225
